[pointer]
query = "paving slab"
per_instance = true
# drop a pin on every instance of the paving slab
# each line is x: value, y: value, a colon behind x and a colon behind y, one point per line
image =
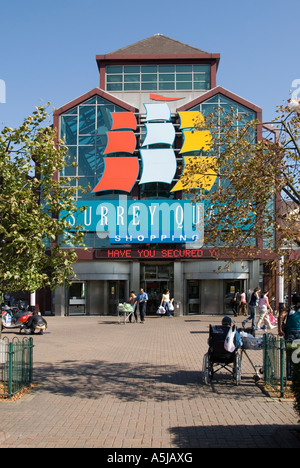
x: 105, y: 384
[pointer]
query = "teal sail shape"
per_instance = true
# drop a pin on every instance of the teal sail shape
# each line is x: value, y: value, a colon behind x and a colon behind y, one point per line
x: 159, y: 165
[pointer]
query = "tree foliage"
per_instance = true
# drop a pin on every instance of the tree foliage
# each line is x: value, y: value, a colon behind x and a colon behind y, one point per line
x: 31, y: 200
x: 257, y: 164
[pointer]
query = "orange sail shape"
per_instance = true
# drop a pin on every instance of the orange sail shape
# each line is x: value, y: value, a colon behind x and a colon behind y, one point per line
x: 123, y: 120
x: 119, y: 174
x: 120, y: 142
x: 203, y: 178
x: 159, y: 97
x: 196, y: 140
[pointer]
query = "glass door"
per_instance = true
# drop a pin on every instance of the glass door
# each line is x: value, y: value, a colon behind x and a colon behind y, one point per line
x: 77, y: 297
x: 231, y: 287
x: 116, y: 294
x: 155, y: 278
x: 193, y: 296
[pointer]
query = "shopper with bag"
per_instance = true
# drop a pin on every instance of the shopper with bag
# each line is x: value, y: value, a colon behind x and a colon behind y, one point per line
x: 233, y: 339
x: 133, y: 303
x: 264, y: 305
x: 165, y: 302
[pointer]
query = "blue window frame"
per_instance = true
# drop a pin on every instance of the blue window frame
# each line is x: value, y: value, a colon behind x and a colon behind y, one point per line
x: 84, y: 130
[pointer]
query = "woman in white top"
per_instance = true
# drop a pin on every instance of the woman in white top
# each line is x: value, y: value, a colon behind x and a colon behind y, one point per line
x: 133, y: 303
x: 165, y: 301
x: 264, y: 305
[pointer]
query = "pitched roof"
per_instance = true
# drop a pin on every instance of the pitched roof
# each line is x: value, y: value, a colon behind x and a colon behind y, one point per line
x: 158, y: 44
x: 157, y: 48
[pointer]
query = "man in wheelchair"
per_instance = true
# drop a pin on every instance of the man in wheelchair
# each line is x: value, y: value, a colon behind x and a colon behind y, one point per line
x: 224, y: 351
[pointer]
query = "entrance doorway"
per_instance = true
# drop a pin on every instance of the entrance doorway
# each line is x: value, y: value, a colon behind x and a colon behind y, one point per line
x: 211, y: 296
x: 230, y: 288
x: 204, y: 297
x: 155, y: 278
x: 116, y: 294
x: 77, y: 298
x: 194, y: 296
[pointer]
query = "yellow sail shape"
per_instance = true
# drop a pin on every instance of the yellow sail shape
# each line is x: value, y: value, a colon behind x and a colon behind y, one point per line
x: 204, y: 173
x: 190, y: 119
x: 196, y: 140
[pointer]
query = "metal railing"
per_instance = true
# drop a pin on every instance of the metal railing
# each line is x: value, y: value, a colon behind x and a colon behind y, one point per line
x: 16, y: 364
x: 275, y: 363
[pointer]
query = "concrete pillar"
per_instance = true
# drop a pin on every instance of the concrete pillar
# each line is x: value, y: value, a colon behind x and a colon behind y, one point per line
x: 178, y: 289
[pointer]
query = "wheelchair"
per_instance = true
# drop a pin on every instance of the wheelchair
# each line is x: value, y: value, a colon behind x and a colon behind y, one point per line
x: 217, y: 358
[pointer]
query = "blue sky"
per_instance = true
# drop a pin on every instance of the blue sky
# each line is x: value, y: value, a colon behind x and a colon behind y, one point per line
x: 48, y: 49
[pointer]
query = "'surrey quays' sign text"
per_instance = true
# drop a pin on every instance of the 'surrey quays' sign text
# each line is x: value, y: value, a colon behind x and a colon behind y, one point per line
x: 142, y: 221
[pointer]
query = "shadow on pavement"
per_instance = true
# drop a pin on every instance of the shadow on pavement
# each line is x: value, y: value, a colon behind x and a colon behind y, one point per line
x: 130, y: 382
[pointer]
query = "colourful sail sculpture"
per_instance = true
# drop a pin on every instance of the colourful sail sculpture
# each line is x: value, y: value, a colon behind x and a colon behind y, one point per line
x: 159, y: 97
x: 123, y: 120
x: 157, y: 154
x: 204, y: 167
x: 123, y: 141
x: 158, y: 164
x: 120, y: 173
x: 190, y: 119
x: 155, y: 111
x: 163, y: 133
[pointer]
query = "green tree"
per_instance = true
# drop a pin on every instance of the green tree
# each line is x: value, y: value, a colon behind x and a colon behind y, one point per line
x: 255, y: 163
x: 32, y: 196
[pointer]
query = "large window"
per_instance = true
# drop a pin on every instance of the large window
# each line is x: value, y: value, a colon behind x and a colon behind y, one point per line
x: 226, y: 106
x: 157, y: 77
x: 84, y: 130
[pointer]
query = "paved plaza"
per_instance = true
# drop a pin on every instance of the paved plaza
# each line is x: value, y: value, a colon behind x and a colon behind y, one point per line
x: 108, y: 385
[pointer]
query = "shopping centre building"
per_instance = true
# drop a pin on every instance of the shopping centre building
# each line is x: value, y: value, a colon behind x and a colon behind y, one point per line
x: 127, y: 142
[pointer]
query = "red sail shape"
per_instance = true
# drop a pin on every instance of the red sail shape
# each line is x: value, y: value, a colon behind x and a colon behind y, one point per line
x: 158, y: 97
x: 119, y: 174
x: 120, y: 142
x: 123, y: 120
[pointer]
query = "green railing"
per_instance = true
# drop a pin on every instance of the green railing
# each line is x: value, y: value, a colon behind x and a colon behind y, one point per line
x: 275, y: 363
x: 16, y: 363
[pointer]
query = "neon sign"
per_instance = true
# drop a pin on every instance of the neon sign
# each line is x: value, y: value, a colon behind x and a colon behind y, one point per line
x: 125, y: 254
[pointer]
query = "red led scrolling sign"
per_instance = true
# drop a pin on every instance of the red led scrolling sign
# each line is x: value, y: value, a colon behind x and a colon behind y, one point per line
x: 154, y: 253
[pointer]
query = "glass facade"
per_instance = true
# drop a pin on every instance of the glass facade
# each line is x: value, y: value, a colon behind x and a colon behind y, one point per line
x: 157, y: 77
x: 228, y: 106
x: 84, y: 130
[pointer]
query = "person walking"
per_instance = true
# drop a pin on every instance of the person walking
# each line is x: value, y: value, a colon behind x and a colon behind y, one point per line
x: 264, y: 306
x: 243, y: 305
x: 165, y: 302
x: 142, y: 299
x: 252, y: 307
x: 133, y: 303
x: 236, y: 302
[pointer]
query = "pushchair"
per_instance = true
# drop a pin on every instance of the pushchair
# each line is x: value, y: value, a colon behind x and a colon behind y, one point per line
x: 217, y: 358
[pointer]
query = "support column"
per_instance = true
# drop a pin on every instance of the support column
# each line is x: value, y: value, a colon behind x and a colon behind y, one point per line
x: 178, y: 289
x: 281, y: 284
